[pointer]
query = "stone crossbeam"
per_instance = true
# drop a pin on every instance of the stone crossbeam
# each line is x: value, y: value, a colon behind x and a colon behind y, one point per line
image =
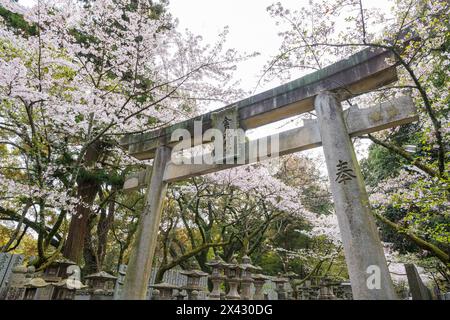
x: 362, y: 72
x: 358, y: 121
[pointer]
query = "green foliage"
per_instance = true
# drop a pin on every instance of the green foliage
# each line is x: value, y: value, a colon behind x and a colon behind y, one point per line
x: 16, y: 21
x: 380, y: 164
x: 400, y: 243
x: 270, y: 262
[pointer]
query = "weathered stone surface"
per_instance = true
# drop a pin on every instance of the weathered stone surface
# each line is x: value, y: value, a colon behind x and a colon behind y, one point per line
x: 362, y: 246
x: 137, y: 180
x: 358, y: 121
x: 360, y: 73
x: 140, y: 264
x: 417, y: 288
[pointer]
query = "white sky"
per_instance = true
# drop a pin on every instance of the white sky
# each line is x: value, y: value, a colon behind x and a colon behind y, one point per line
x: 250, y: 25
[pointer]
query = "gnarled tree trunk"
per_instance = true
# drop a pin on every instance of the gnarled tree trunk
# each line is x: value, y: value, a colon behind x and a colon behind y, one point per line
x: 87, y: 191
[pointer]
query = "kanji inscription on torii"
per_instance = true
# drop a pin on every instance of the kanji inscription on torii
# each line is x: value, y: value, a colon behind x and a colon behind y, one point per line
x: 227, y: 121
x: 344, y: 173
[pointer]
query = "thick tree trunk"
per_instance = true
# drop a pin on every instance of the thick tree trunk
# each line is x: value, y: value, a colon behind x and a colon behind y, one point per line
x: 87, y: 191
x: 103, y: 227
x: 90, y: 260
x: 78, y: 228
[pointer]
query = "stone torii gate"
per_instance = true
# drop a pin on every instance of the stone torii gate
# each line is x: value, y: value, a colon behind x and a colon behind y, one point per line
x: 321, y: 91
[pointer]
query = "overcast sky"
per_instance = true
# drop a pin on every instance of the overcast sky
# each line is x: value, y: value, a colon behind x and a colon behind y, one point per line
x: 250, y: 25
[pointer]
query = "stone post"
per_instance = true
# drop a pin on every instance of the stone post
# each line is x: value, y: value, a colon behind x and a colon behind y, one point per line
x: 215, y: 292
x: 419, y: 291
x: 140, y: 264
x: 364, y: 254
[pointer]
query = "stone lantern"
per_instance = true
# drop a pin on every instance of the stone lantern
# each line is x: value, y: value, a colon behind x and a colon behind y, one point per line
x: 291, y: 276
x: 326, y: 291
x: 193, y: 281
x: 302, y: 292
x: 338, y: 291
x: 309, y: 291
x: 246, y: 277
x: 232, y: 271
x: 32, y: 286
x: 66, y: 288
x: 57, y: 270
x: 314, y: 292
x: 280, y: 289
x: 333, y: 285
x: 217, y: 277
x: 155, y: 294
x: 101, y: 285
x: 347, y: 291
x: 54, y: 274
x: 258, y: 281
x: 166, y: 290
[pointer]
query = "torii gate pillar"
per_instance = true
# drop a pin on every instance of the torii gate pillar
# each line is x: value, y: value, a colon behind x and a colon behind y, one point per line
x: 140, y: 264
x: 366, y: 263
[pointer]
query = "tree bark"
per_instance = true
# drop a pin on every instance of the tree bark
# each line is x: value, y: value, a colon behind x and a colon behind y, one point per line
x: 87, y: 191
x: 103, y: 227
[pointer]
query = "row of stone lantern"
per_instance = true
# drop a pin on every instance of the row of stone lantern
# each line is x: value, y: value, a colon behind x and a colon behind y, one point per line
x: 325, y: 289
x: 57, y: 282
x: 236, y: 275
x: 51, y: 284
x: 54, y: 283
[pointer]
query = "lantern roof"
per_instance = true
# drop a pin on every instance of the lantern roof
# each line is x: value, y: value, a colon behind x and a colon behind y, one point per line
x: 260, y: 277
x: 101, y: 275
x: 290, y: 274
x: 36, y: 283
x: 247, y: 265
x: 194, y: 273
x: 233, y: 264
x: 280, y: 280
x: 63, y: 261
x: 71, y: 284
x: 164, y: 285
x: 216, y: 262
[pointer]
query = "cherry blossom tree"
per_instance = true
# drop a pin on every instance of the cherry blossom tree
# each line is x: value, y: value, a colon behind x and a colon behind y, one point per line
x: 77, y: 78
